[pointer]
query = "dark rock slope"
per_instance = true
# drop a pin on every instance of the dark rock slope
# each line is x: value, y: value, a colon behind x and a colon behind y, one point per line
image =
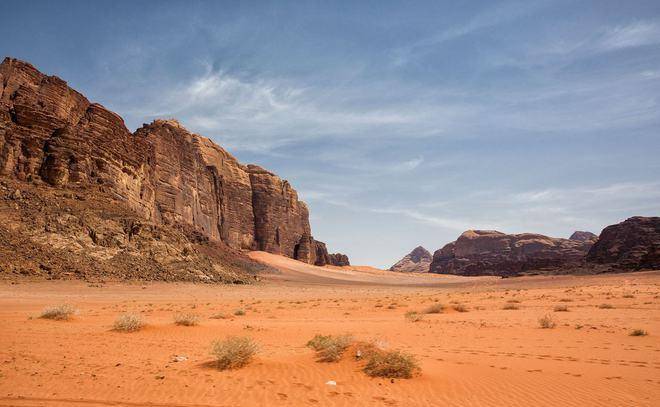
x: 52, y: 134
x: 632, y: 244
x: 417, y: 261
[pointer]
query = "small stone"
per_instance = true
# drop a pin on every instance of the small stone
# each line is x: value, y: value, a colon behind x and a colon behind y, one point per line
x: 331, y: 383
x: 179, y: 358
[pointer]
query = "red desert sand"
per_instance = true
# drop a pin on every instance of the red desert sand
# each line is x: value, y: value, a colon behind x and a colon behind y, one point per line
x: 473, y: 353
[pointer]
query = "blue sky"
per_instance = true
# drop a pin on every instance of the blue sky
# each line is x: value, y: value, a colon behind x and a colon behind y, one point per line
x: 399, y: 123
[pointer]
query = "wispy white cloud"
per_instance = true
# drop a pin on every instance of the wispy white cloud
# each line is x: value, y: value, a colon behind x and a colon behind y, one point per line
x: 636, y: 34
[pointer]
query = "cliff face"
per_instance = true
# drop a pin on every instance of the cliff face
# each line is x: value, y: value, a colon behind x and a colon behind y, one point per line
x: 488, y: 252
x: 632, y: 244
x: 164, y: 173
x: 418, y: 261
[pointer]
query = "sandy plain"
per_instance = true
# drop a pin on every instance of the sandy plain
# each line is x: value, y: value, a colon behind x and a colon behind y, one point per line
x: 487, y: 356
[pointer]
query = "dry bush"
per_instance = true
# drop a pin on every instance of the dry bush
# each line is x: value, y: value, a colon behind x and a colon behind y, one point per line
x: 330, y: 348
x: 511, y: 306
x: 61, y: 312
x: 233, y: 352
x: 460, y: 308
x: 628, y: 296
x: 546, y: 322
x: 186, y: 319
x: 392, y: 364
x: 606, y: 306
x: 434, y: 309
x: 239, y: 312
x: 413, y: 316
x: 218, y: 315
x: 513, y: 301
x: 565, y: 300
x: 638, y: 332
x: 128, y: 323
x: 561, y: 308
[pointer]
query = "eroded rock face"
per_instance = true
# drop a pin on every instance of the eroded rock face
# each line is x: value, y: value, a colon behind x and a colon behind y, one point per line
x: 582, y: 236
x: 632, y: 244
x: 489, y: 252
x: 163, y: 172
x: 417, y: 261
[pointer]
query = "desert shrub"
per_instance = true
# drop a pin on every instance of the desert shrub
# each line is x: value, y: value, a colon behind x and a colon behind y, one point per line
x: 565, y: 300
x: 460, y: 308
x: 128, y: 323
x: 638, y: 332
x: 413, y: 316
x: 628, y: 296
x: 233, y: 352
x: 513, y: 301
x: 218, y: 315
x: 330, y: 348
x: 510, y: 306
x: 434, y: 309
x: 61, y: 312
x: 606, y: 306
x: 546, y: 322
x: 561, y: 308
x: 239, y: 312
x: 186, y: 319
x: 392, y: 364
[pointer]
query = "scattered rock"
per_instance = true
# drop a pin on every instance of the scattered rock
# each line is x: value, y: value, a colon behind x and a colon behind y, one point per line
x: 331, y: 383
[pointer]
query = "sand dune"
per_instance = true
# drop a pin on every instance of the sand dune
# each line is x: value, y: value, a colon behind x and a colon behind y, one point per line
x: 485, y: 357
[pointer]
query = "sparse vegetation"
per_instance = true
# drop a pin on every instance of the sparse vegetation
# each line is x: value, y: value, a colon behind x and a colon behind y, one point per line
x: 638, y: 332
x: 218, y: 315
x: 392, y: 364
x: 510, y: 306
x: 561, y: 308
x: 61, y: 312
x: 128, y: 323
x: 565, y: 300
x: 628, y: 296
x: 606, y: 306
x: 413, y: 316
x: 186, y: 319
x: 434, y: 309
x: 239, y: 312
x: 233, y: 352
x: 513, y: 301
x: 546, y: 322
x: 330, y: 348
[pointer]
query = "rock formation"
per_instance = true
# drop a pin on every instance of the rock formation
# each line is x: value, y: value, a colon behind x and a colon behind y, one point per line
x: 162, y: 172
x: 417, y: 261
x: 632, y: 244
x: 582, y: 236
x: 488, y: 252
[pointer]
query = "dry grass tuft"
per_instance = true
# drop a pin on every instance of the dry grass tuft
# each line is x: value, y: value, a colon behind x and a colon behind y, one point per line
x: 638, y: 332
x: 330, y: 348
x: 62, y: 312
x: 218, y: 315
x: 561, y: 308
x: 128, y: 323
x: 413, y: 316
x: 434, y: 309
x: 392, y: 364
x: 606, y: 306
x: 233, y: 352
x: 186, y: 319
x: 510, y: 306
x: 460, y: 308
x: 239, y: 312
x: 546, y: 322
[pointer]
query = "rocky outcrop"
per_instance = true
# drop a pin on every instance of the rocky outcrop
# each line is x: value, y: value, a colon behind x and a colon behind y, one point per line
x: 339, y: 259
x: 632, y: 244
x: 417, y: 261
x: 488, y: 252
x: 582, y: 236
x: 162, y: 172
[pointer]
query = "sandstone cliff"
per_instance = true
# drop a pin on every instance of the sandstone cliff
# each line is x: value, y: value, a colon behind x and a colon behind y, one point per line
x: 165, y: 174
x: 417, y: 261
x: 632, y: 244
x: 582, y: 236
x: 488, y: 252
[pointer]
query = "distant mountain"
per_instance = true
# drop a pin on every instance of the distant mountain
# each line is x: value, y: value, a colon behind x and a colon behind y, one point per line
x: 582, y: 236
x: 417, y: 261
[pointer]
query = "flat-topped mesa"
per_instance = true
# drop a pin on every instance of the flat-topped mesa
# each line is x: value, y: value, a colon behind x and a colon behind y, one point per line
x: 163, y: 172
x: 417, y: 261
x: 489, y: 252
